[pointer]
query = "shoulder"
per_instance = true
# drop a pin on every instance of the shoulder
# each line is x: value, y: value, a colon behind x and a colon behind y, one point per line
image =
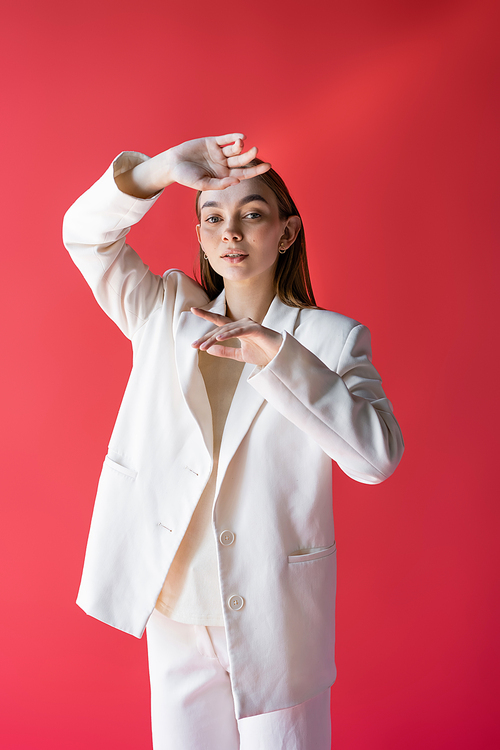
x: 186, y: 291
x: 326, y: 322
x: 325, y: 332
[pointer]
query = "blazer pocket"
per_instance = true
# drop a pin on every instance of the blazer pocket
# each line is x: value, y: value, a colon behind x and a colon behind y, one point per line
x: 130, y: 473
x: 315, y: 553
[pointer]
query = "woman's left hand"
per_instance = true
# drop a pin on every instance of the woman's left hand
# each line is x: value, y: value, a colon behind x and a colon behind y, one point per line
x: 258, y: 344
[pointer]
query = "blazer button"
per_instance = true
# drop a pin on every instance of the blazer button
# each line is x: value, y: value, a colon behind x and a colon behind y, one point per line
x: 236, y: 602
x: 226, y: 538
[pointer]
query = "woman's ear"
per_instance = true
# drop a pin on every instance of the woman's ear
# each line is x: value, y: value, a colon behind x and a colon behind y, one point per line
x: 198, y: 232
x: 291, y: 230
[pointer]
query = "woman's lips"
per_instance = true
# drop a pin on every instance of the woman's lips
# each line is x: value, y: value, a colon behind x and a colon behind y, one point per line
x: 235, y: 257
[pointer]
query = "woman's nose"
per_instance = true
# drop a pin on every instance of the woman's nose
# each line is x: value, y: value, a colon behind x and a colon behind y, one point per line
x: 232, y: 232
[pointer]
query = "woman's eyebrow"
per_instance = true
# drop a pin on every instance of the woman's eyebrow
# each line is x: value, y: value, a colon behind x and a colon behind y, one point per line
x: 251, y: 198
x: 246, y: 199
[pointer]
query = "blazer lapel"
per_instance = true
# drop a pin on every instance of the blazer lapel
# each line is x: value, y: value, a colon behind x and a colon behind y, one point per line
x: 247, y: 401
x: 189, y: 329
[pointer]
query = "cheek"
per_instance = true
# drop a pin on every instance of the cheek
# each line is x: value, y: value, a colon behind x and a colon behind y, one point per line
x: 207, y: 237
x: 267, y: 240
x: 263, y: 237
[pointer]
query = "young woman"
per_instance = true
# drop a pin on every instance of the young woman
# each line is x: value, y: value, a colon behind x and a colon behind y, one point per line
x: 213, y: 520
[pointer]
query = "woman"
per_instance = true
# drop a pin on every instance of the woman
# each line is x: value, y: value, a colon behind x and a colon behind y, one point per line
x: 213, y: 520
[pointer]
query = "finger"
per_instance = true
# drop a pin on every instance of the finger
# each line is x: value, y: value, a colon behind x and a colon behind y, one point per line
x: 218, y: 320
x: 205, y: 343
x: 212, y: 337
x: 241, y: 159
x: 216, y: 183
x: 234, y: 148
x: 226, y: 351
x: 235, y: 332
x: 223, y: 140
x: 245, y: 173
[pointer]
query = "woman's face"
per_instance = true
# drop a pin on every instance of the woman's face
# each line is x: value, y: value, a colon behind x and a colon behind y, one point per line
x: 240, y: 230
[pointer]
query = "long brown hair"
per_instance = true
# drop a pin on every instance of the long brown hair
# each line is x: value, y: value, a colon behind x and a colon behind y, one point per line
x: 292, y: 282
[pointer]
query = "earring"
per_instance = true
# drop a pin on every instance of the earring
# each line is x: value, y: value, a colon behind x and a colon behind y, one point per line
x: 205, y: 256
x: 281, y: 249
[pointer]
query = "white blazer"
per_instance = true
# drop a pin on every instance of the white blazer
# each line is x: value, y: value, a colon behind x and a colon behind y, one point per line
x: 320, y: 398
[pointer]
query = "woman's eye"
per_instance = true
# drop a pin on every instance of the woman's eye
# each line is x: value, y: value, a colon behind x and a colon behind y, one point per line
x: 212, y: 219
x: 253, y: 215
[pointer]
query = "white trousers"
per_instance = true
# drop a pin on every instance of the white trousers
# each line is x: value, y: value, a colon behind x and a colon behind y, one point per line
x: 192, y: 704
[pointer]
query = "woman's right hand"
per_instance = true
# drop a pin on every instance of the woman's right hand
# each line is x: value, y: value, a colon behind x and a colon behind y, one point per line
x: 212, y: 163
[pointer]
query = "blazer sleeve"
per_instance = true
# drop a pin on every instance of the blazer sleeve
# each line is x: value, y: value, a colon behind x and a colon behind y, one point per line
x: 94, y: 232
x: 345, y: 411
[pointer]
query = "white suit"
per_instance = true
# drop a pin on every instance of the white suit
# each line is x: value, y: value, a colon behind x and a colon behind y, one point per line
x: 320, y: 398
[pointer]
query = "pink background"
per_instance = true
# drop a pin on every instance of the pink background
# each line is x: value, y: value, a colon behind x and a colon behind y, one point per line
x: 382, y: 117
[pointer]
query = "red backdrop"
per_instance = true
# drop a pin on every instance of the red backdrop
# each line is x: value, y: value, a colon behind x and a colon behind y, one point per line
x: 382, y: 116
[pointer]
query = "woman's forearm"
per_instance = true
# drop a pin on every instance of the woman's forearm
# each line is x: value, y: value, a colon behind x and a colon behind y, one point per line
x: 148, y: 178
x: 211, y: 163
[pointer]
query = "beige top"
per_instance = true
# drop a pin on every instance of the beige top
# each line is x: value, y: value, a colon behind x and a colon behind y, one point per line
x: 191, y: 592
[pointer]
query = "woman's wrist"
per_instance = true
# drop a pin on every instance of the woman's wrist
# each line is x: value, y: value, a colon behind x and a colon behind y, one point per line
x: 148, y: 178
